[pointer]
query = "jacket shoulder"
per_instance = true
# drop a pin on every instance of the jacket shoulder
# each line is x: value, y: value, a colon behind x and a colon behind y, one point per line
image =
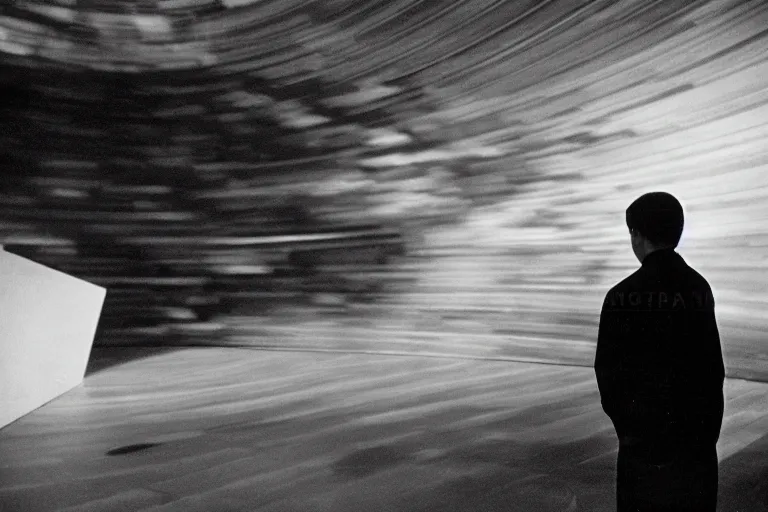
x: 699, y: 279
x: 628, y: 284
x: 701, y: 285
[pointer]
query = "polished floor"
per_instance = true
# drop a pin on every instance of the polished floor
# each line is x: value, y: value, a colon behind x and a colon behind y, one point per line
x: 228, y: 429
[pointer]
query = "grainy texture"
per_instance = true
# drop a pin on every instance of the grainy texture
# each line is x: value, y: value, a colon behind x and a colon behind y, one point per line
x: 239, y: 429
x: 177, y: 152
x: 215, y: 164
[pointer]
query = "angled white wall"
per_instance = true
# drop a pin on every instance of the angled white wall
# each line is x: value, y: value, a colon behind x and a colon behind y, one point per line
x: 48, y: 320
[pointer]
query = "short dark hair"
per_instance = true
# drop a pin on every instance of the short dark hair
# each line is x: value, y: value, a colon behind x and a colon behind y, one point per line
x: 658, y: 216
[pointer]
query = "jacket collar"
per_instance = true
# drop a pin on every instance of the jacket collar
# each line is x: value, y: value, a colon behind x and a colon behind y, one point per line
x: 660, y: 257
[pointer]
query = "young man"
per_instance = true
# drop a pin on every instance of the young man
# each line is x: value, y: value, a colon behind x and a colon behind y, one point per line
x: 660, y: 371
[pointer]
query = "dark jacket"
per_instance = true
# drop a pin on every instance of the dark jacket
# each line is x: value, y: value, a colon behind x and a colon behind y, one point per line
x: 659, y: 363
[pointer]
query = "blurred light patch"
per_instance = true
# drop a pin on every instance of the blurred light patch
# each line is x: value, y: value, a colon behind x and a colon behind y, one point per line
x: 52, y: 11
x: 152, y: 25
x: 293, y: 113
x: 22, y: 26
x: 137, y: 189
x: 238, y: 3
x: 388, y: 138
x: 15, y: 48
x: 241, y: 269
x: 362, y: 97
x: 245, y: 99
x: 69, y: 164
x: 303, y: 121
x: 179, y: 313
x: 68, y: 193
x: 398, y: 159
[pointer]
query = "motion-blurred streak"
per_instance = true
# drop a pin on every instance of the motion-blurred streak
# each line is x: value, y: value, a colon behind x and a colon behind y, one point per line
x: 436, y: 177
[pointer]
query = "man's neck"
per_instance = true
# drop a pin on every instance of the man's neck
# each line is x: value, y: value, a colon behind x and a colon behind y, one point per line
x: 658, y: 251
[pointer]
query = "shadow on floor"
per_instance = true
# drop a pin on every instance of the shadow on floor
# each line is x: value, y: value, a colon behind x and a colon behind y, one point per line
x: 744, y: 479
x: 103, y: 358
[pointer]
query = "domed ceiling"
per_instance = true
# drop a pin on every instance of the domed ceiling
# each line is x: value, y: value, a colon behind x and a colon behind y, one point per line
x: 452, y: 174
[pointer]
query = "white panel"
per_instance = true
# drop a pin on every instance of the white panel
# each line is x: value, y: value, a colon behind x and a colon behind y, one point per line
x: 48, y: 320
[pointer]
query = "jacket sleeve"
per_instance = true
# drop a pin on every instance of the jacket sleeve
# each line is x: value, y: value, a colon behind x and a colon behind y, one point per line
x: 702, y: 404
x: 715, y: 370
x: 608, y: 362
x: 715, y: 366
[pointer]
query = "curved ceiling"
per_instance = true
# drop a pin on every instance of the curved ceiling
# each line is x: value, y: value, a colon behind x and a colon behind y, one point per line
x: 530, y: 126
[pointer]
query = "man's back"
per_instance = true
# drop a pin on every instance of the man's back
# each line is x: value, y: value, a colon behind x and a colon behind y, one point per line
x: 660, y: 369
x: 659, y: 363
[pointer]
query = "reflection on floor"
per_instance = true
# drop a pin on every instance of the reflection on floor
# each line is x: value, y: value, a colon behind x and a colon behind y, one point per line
x: 236, y: 429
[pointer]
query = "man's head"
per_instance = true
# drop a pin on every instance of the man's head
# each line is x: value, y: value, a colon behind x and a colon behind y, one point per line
x: 655, y: 221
